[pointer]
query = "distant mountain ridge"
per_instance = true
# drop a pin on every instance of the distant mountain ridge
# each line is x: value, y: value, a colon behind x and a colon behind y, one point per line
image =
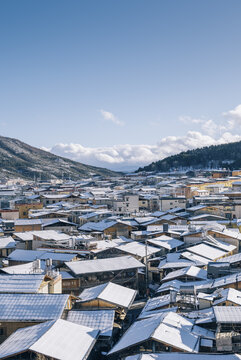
x: 20, y: 160
x: 214, y: 156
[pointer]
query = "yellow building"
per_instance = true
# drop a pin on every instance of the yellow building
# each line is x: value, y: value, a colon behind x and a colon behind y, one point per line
x: 24, y: 209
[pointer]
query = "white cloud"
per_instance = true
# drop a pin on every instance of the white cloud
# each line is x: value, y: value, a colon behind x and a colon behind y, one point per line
x: 111, y: 117
x: 207, y: 125
x: 235, y: 113
x: 132, y: 156
x: 234, y: 118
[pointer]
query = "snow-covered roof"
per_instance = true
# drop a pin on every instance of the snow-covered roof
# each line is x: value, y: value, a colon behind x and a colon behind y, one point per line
x: 59, y: 339
x: 207, y: 251
x: 227, y: 314
x: 196, y: 258
x: 103, y: 265
x: 20, y: 283
x: 191, y: 271
x: 27, y: 268
x: 139, y: 249
x: 23, y: 222
x: 166, y: 242
x: 229, y: 294
x: 7, y: 243
x: 31, y: 255
x: 169, y: 328
x: 31, y: 307
x: 110, y: 292
x: 102, y: 320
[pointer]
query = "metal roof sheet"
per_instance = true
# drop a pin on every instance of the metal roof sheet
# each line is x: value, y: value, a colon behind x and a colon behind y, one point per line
x: 31, y: 255
x: 103, y: 265
x: 102, y: 320
x: 31, y: 307
x: 227, y: 314
x: 20, y: 283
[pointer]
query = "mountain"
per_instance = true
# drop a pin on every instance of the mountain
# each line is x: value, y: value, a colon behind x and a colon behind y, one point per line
x: 215, y: 156
x: 20, y: 160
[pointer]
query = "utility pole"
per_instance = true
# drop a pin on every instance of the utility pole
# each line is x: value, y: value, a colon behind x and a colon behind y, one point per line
x: 146, y: 268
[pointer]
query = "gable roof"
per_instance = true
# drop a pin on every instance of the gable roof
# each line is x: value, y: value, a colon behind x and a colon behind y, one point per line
x: 110, y: 292
x: 59, y: 339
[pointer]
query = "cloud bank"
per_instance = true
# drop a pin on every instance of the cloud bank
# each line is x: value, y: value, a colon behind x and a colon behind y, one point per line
x: 130, y: 157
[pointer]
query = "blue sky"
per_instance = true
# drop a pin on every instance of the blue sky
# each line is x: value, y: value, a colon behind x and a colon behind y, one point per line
x: 109, y: 82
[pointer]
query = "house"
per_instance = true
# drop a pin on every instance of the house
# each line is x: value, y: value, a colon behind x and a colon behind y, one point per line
x: 22, y: 225
x: 7, y: 245
x: 129, y: 204
x: 9, y: 214
x: 170, y: 202
x: 122, y: 270
x: 108, y: 295
x: 59, y: 339
x: 58, y: 225
x: 23, y: 208
x: 190, y: 273
x: 20, y: 310
x: 111, y: 228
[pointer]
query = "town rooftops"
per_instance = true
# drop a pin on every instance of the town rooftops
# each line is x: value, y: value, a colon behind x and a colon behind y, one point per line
x: 103, y: 265
x: 169, y: 328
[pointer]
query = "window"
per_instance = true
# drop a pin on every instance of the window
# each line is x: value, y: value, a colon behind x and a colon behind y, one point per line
x: 2, y: 331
